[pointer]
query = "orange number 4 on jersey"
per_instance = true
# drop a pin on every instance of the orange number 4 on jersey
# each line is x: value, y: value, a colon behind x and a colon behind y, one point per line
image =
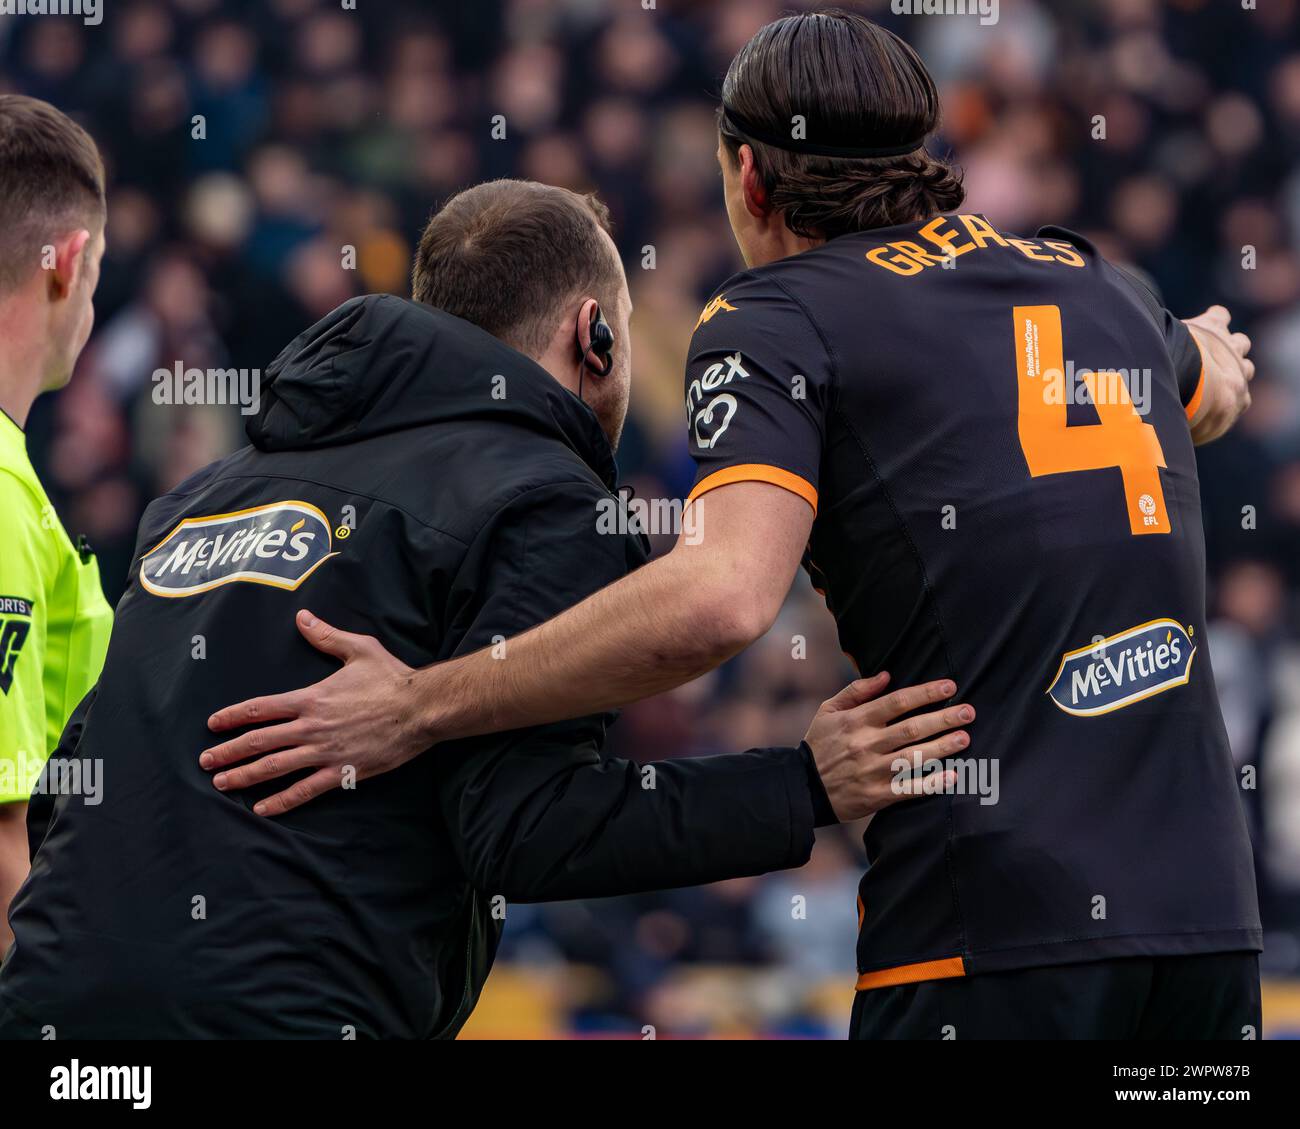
x: 1122, y: 439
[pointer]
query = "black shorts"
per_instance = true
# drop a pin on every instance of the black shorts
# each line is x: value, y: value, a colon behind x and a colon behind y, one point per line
x: 1207, y: 996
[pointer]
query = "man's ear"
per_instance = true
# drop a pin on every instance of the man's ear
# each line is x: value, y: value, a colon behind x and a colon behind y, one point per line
x: 586, y: 310
x: 752, y: 185
x: 69, y: 261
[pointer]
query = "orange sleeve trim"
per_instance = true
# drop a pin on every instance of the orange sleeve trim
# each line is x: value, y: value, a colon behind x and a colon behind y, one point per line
x: 944, y: 969
x: 756, y: 472
x: 1195, y: 401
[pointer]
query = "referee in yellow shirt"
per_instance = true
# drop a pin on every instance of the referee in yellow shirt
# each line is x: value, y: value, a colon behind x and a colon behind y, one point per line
x: 54, y: 620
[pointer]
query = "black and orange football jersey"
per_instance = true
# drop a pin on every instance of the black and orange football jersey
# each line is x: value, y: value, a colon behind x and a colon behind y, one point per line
x: 993, y: 434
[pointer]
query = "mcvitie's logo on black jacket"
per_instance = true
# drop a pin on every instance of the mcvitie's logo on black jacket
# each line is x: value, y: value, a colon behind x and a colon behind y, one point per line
x: 280, y: 544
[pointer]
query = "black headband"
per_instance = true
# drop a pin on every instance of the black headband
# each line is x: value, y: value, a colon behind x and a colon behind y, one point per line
x: 743, y: 125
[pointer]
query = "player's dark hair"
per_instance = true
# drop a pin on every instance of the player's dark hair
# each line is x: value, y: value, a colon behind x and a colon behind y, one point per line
x: 505, y: 254
x: 851, y: 84
x: 51, y: 182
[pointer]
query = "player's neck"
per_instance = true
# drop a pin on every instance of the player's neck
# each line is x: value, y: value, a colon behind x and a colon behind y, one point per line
x: 778, y: 242
x: 23, y: 361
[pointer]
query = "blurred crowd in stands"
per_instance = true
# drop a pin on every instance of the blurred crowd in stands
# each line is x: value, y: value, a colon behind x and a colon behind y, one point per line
x: 322, y: 128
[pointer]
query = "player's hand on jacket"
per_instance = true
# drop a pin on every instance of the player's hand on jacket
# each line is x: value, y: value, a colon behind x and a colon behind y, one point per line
x: 1228, y: 373
x: 869, y: 759
x: 353, y: 721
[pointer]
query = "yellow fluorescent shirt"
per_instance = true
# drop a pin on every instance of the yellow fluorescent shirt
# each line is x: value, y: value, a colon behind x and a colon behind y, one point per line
x: 54, y: 621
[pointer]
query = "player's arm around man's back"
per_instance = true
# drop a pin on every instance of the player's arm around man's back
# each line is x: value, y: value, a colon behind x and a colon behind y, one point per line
x: 540, y: 813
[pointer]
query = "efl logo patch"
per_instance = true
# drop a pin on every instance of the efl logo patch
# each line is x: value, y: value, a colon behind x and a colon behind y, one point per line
x: 1123, y: 669
x: 280, y: 545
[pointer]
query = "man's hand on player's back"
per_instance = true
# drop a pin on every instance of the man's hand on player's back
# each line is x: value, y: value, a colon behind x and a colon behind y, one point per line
x: 867, y: 757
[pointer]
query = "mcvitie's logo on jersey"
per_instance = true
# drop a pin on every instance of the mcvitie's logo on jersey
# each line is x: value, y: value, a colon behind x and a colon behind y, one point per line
x: 279, y: 544
x: 1123, y: 669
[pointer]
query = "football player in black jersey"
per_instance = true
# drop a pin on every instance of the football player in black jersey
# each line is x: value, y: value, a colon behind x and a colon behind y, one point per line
x: 981, y: 447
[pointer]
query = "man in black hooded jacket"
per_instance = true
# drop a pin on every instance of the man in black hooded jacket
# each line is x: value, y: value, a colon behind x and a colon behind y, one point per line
x: 415, y: 476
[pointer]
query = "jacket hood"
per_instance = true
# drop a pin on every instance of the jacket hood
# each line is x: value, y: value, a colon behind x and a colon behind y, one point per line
x: 380, y: 363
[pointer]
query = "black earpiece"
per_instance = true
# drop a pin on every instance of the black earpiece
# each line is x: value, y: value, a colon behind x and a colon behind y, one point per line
x: 602, y: 345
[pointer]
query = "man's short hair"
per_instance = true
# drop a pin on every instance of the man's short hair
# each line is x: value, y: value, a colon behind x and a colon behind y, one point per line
x: 506, y: 254
x: 51, y: 182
